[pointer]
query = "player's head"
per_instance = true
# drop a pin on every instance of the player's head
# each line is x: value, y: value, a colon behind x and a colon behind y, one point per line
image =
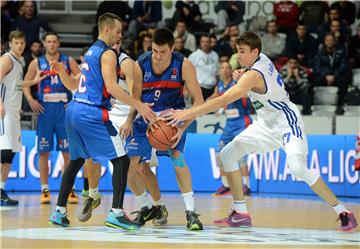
x: 17, y: 41
x: 162, y: 46
x: 110, y: 28
x: 51, y: 42
x: 249, y: 48
x: 225, y: 70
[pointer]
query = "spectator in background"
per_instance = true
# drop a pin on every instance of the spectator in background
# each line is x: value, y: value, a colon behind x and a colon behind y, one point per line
x: 30, y: 23
x: 82, y: 54
x: 331, y: 67
x: 145, y: 14
x: 273, y: 43
x: 206, y: 63
x: 287, y: 15
x: 180, y: 48
x: 189, y: 39
x: 229, y: 12
x: 223, y: 46
x: 325, y: 28
x: 347, y: 11
x: 313, y: 14
x: 146, y: 44
x: 213, y: 41
x: 3, y: 47
x: 128, y: 46
x: 354, y: 49
x: 296, y: 82
x: 340, y: 37
x: 302, y: 45
x: 8, y: 14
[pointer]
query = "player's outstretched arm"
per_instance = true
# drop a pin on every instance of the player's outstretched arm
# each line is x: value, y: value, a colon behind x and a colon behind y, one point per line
x: 30, y: 75
x: 71, y: 82
x: 108, y: 70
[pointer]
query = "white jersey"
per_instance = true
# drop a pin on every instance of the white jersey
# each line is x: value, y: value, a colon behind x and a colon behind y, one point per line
x: 274, y: 107
x: 11, y: 85
x: 119, y: 108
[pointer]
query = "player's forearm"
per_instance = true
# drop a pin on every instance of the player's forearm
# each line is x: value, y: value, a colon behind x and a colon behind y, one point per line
x: 29, y: 83
x: 131, y: 116
x: 117, y: 92
x: 27, y: 93
x: 70, y: 82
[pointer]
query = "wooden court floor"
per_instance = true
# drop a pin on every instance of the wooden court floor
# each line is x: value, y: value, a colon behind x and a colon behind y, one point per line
x: 278, y: 223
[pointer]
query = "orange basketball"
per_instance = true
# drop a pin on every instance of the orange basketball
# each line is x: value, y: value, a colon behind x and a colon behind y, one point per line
x: 160, y: 138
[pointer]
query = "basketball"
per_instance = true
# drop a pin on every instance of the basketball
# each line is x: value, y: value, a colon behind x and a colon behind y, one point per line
x: 160, y: 138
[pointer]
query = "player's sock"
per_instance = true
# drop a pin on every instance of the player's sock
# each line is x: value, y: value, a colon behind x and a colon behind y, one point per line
x: 44, y: 186
x: 2, y: 185
x: 239, y: 206
x: 339, y: 208
x: 86, y: 184
x: 225, y: 181
x: 62, y: 210
x: 119, y: 180
x: 159, y: 203
x: 189, y: 201
x: 117, y: 211
x: 144, y: 200
x: 94, y: 193
x: 246, y: 181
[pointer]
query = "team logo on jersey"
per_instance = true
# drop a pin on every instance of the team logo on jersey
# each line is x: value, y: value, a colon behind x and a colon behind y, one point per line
x: 174, y: 73
x: 147, y: 76
x: 257, y: 105
x: 43, y: 66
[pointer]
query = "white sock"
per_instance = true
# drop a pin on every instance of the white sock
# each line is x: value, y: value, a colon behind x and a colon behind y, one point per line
x: 61, y: 209
x: 189, y: 201
x: 144, y: 200
x: 2, y: 185
x: 225, y: 181
x: 246, y: 180
x: 240, y: 206
x: 339, y: 208
x: 159, y: 203
x: 44, y: 186
x: 118, y: 211
x: 94, y: 193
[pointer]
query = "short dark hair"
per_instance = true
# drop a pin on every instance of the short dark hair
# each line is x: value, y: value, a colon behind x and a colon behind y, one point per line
x: 301, y: 23
x: 107, y: 19
x: 163, y: 36
x: 251, y: 39
x: 51, y: 33
x: 16, y: 34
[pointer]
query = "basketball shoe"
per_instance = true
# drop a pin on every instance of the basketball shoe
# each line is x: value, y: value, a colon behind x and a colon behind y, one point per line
x: 234, y: 220
x: 89, y: 205
x: 6, y: 200
x: 246, y: 190
x: 56, y: 218
x: 145, y: 214
x: 73, y: 199
x: 162, y: 218
x: 348, y: 222
x: 193, y: 222
x: 45, y: 197
x: 120, y: 221
x: 222, y: 191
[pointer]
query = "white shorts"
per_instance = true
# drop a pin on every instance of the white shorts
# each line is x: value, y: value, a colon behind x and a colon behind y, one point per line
x: 10, y: 132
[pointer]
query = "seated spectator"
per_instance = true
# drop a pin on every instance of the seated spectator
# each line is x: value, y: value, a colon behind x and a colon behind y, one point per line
x: 287, y: 16
x: 206, y: 63
x: 145, y: 14
x: 331, y: 67
x: 302, y: 45
x: 354, y: 49
x: 229, y: 12
x: 341, y: 39
x: 347, y: 10
x: 273, y: 43
x: 181, y: 31
x: 313, y: 13
x: 128, y: 47
x: 223, y: 46
x: 30, y: 23
x: 213, y: 41
x: 296, y: 82
x: 180, y: 48
x: 334, y: 14
x: 146, y: 44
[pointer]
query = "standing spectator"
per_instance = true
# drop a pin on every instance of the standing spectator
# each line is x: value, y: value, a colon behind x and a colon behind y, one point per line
x: 287, y: 15
x: 273, y: 43
x: 145, y: 14
x: 181, y: 31
x: 8, y: 14
x: 354, y: 49
x: 30, y: 23
x: 331, y: 67
x: 229, y: 12
x: 347, y: 11
x: 313, y: 14
x: 179, y: 47
x: 206, y: 63
x: 296, y: 82
x: 302, y: 45
x: 146, y: 44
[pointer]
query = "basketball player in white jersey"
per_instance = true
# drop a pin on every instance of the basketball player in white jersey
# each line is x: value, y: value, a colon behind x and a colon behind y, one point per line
x: 11, y: 77
x: 279, y: 125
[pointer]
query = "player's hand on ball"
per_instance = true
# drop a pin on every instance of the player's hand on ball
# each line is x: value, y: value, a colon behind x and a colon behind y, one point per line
x: 176, y: 117
x: 177, y: 137
x: 146, y: 112
x: 152, y: 127
x: 126, y: 129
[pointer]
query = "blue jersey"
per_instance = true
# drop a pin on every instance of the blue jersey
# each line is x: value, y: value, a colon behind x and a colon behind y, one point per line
x: 51, y: 89
x: 165, y: 90
x: 238, y: 112
x: 92, y: 90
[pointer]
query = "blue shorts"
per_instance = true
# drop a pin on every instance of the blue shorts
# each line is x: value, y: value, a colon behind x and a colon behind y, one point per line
x: 51, y: 121
x: 91, y: 133
x: 138, y: 144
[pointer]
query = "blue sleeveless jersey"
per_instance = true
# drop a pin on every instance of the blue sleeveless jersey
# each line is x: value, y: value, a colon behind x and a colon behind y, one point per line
x: 92, y: 90
x: 165, y: 90
x: 51, y: 89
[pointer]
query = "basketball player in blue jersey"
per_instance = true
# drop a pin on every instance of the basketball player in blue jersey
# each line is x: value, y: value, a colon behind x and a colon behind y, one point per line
x: 52, y: 97
x: 90, y: 132
x: 237, y: 119
x: 159, y: 78
x: 279, y: 125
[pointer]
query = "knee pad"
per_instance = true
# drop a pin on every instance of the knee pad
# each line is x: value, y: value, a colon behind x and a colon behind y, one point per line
x: 230, y: 155
x: 177, y: 161
x: 298, y: 166
x: 7, y: 156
